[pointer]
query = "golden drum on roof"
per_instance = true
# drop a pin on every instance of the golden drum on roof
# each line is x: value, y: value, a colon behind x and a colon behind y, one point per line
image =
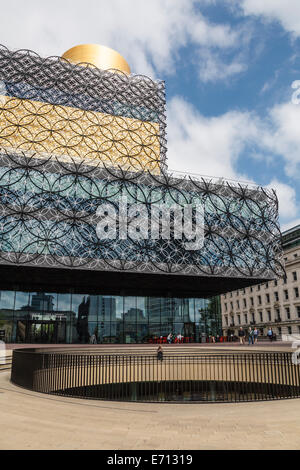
x: 102, y: 57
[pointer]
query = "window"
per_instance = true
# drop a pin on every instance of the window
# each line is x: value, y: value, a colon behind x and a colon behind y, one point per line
x: 238, y: 304
x: 259, y: 299
x: 261, y: 317
x: 269, y: 315
x: 239, y: 319
x: 267, y: 285
x: 268, y: 298
x: 275, y: 283
x: 230, y: 294
x: 231, y: 305
x: 246, y: 318
x: 287, y: 311
x: 276, y: 296
x: 225, y: 307
x: 226, y: 320
x: 278, y: 314
x: 251, y: 300
x: 294, y: 276
x: 258, y: 287
x: 251, y: 289
x: 279, y: 330
x: 245, y: 303
x: 298, y: 311
x: 284, y: 280
x: 289, y: 330
x: 286, y: 294
x: 296, y: 292
x: 296, y: 255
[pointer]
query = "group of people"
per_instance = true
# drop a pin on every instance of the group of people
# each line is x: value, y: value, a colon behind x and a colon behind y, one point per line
x: 253, y: 335
x: 170, y: 339
x: 173, y: 338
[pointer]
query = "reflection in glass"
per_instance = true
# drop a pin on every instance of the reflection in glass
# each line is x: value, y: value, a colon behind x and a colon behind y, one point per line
x: 49, y: 317
x: 7, y: 325
x: 154, y: 331
x: 130, y: 333
x: 142, y: 315
x: 7, y: 300
x: 142, y: 333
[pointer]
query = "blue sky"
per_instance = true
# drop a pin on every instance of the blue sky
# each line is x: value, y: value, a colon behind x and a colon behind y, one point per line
x: 228, y: 66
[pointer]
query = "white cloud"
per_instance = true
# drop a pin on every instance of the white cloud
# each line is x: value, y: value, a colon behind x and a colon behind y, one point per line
x: 207, y: 146
x: 287, y: 12
x: 148, y: 34
x: 287, y: 199
x: 212, y: 146
x: 281, y: 135
x: 213, y: 68
x: 290, y: 224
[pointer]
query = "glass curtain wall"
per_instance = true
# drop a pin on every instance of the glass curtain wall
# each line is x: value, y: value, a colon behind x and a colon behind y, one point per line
x: 50, y: 317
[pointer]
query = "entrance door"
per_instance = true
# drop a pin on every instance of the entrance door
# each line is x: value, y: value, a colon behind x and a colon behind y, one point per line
x: 45, y: 331
x: 189, y: 331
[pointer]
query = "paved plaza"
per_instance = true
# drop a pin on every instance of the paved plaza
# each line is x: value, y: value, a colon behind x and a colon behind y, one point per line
x: 32, y: 420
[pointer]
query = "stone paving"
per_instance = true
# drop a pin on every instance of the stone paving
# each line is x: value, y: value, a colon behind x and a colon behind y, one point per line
x: 31, y: 420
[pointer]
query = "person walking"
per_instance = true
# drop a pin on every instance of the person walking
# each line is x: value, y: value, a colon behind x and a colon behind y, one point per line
x: 242, y: 335
x: 270, y: 334
x: 93, y: 339
x: 169, y: 338
x: 159, y: 353
x: 255, y: 334
x: 250, y: 336
x: 179, y: 338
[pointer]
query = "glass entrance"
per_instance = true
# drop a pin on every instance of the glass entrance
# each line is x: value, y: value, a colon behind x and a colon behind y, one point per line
x: 44, y: 331
x: 189, y: 332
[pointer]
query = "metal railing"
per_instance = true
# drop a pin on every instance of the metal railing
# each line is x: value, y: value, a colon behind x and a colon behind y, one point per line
x: 5, y: 363
x: 208, y: 377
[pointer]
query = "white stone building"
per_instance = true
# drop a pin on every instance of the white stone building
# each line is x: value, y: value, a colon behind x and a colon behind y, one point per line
x: 273, y: 304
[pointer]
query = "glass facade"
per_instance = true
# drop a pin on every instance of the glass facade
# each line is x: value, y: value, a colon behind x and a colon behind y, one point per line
x: 49, y: 317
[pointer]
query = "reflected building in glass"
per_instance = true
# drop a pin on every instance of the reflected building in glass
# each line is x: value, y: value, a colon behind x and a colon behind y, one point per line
x: 74, y: 318
x: 81, y: 140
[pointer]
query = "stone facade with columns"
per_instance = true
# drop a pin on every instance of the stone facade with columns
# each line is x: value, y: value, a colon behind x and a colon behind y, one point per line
x: 274, y: 304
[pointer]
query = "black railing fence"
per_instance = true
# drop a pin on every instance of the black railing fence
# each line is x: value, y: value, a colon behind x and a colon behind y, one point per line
x: 208, y: 377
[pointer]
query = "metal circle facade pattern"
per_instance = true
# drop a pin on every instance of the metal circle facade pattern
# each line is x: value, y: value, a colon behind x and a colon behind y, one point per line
x: 48, y: 217
x: 72, y: 138
x: 55, y: 107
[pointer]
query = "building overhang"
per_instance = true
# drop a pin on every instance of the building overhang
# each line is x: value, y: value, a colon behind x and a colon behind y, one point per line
x: 79, y: 281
